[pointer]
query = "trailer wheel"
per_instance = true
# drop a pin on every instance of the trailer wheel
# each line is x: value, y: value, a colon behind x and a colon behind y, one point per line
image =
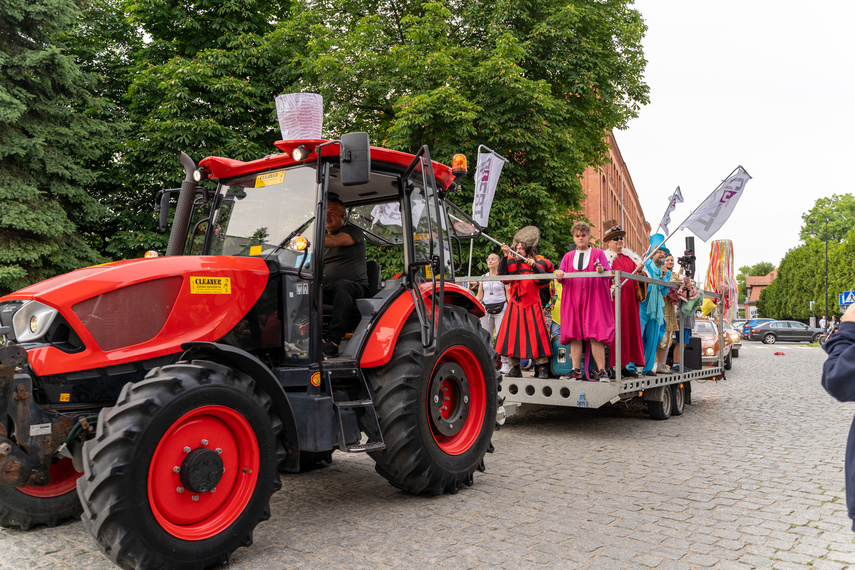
x: 437, y: 413
x: 29, y: 506
x: 678, y: 400
x: 660, y: 410
x: 181, y: 469
x: 728, y: 361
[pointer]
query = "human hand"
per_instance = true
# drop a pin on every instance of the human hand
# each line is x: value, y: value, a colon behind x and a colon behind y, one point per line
x: 599, y: 266
x: 505, y: 249
x: 849, y: 315
x: 559, y: 274
x: 531, y: 262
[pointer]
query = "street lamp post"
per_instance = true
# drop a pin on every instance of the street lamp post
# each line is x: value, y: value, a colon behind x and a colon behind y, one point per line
x: 813, y: 222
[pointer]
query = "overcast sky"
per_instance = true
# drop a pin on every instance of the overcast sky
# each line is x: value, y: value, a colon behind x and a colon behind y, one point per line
x: 769, y: 86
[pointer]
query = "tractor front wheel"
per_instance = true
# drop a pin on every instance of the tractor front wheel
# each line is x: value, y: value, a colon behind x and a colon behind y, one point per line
x: 437, y: 413
x: 182, y: 468
x: 29, y: 506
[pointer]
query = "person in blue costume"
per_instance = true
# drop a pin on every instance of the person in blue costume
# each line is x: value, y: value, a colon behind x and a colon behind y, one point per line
x: 652, y: 308
x: 838, y: 379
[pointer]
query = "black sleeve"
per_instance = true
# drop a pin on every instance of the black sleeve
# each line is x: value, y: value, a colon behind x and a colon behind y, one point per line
x: 838, y: 372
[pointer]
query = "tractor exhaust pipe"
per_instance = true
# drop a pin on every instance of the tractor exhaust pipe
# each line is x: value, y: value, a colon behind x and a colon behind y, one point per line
x: 181, y: 221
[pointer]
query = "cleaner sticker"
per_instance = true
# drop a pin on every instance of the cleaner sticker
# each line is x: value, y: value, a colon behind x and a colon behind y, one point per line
x: 210, y: 285
x: 270, y: 179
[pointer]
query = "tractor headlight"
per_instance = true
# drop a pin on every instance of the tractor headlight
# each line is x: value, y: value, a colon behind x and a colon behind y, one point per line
x: 32, y: 321
x: 709, y: 350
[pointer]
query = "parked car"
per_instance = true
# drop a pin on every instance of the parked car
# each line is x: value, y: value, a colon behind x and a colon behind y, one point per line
x: 746, y: 328
x: 773, y: 331
x: 736, y: 339
x: 707, y: 330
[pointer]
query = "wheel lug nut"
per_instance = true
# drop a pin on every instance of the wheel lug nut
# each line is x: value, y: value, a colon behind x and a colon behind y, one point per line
x: 219, y: 450
x: 195, y: 497
x: 187, y: 449
x: 204, y: 442
x: 179, y: 490
x: 465, y: 399
x: 176, y: 469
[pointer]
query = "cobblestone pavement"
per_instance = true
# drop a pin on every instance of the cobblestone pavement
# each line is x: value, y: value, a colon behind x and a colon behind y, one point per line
x: 751, y: 476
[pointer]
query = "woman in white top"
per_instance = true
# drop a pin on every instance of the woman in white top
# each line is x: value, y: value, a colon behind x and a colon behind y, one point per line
x: 491, y: 293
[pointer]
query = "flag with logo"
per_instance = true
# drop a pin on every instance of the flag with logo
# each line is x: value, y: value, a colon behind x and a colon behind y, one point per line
x: 708, y: 218
x: 486, y: 179
x: 676, y: 198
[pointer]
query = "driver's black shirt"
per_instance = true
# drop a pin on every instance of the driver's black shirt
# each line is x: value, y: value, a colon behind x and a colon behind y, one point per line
x: 346, y: 262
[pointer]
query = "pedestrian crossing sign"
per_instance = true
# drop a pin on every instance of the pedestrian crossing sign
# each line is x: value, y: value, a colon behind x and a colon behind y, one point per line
x: 846, y: 298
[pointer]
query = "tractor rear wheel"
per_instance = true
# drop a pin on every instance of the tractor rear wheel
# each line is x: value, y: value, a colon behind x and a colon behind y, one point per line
x: 182, y: 468
x: 26, y: 507
x: 437, y: 413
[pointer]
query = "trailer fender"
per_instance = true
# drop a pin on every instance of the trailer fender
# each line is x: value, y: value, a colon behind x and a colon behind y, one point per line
x: 384, y: 334
x: 655, y: 394
x: 249, y: 364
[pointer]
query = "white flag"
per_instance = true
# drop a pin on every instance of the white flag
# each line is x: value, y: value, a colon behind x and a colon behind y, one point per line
x: 716, y: 209
x: 676, y: 198
x: 486, y: 179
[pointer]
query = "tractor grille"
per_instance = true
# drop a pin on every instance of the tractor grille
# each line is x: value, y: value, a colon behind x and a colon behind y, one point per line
x: 130, y: 315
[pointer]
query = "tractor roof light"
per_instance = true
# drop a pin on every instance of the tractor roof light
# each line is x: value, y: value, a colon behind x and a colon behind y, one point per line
x: 458, y: 165
x: 200, y: 174
x: 300, y: 153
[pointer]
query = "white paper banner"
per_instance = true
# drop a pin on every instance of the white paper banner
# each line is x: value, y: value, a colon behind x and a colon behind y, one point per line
x: 486, y: 179
x: 301, y: 115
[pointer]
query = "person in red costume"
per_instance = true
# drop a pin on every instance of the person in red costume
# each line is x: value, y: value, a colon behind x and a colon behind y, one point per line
x: 624, y: 259
x: 523, y: 333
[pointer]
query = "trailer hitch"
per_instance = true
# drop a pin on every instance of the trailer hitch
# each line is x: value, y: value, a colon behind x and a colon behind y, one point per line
x: 37, y: 433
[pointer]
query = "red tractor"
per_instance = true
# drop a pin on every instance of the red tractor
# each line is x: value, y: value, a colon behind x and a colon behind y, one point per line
x: 161, y: 397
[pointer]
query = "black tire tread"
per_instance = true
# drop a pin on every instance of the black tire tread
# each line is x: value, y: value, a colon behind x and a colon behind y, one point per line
x: 405, y: 462
x: 107, y: 459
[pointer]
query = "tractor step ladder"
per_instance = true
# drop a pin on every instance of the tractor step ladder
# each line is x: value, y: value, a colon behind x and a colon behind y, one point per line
x: 362, y: 405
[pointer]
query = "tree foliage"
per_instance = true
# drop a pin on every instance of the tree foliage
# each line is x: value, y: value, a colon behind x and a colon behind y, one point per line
x: 840, y: 211
x: 537, y: 82
x: 204, y: 82
x: 49, y: 133
x: 801, y: 279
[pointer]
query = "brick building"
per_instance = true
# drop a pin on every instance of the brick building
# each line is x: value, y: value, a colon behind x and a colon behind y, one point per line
x: 754, y: 286
x: 610, y: 195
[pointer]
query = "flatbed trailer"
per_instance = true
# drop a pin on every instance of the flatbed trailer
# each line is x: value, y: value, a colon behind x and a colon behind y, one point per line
x: 665, y: 394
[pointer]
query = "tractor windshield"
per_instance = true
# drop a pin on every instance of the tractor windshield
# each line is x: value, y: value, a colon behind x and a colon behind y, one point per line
x: 260, y: 211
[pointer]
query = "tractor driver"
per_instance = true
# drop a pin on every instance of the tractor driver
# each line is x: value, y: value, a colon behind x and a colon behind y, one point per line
x: 345, y: 275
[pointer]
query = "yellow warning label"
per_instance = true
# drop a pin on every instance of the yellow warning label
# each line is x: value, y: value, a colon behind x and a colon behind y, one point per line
x: 65, y: 397
x: 210, y: 285
x: 255, y: 250
x: 316, y: 379
x: 269, y: 179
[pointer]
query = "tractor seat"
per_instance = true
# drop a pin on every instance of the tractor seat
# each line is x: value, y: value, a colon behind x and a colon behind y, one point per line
x: 373, y: 269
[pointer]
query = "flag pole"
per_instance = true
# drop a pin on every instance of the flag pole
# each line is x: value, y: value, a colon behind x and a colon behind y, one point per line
x: 452, y: 216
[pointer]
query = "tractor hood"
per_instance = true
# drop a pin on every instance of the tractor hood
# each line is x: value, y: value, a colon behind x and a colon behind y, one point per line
x: 114, y: 313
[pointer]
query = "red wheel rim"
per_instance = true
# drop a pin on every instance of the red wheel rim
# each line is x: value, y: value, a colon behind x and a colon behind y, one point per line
x: 63, y: 478
x: 463, y: 440
x: 208, y: 514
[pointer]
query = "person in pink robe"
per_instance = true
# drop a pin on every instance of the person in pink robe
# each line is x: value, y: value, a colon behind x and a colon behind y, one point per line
x: 626, y: 260
x: 586, y: 307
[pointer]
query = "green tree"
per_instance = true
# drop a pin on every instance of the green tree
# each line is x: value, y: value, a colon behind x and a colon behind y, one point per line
x: 204, y: 82
x: 538, y: 82
x: 48, y: 134
x: 840, y: 211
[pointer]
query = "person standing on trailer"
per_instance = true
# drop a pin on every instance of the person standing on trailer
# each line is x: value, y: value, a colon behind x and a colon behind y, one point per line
x: 624, y: 259
x: 523, y: 333
x: 586, y: 307
x: 651, y: 309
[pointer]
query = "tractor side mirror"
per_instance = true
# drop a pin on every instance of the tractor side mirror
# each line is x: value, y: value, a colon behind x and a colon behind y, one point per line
x: 355, y: 159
